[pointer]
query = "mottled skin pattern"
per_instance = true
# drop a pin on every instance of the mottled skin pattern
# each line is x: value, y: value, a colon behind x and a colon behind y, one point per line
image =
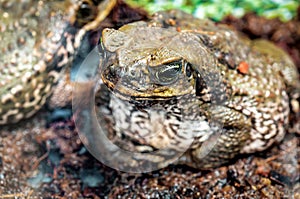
x: 38, y: 39
x: 176, y: 77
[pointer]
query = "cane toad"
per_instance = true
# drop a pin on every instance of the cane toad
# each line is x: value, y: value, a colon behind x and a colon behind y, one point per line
x: 176, y: 77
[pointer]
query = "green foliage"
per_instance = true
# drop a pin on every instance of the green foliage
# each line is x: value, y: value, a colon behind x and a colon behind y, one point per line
x: 217, y: 9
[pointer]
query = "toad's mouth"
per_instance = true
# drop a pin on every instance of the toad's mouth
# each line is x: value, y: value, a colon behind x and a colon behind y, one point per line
x: 130, y: 93
x: 144, y: 103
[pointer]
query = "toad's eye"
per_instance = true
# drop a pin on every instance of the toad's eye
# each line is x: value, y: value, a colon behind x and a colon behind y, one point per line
x: 86, y: 12
x: 166, y: 74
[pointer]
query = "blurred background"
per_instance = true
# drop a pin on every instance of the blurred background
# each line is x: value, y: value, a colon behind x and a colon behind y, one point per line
x: 217, y: 9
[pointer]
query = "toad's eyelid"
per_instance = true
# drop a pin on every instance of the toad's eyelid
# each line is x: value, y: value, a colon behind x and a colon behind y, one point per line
x: 172, y: 66
x: 176, y: 66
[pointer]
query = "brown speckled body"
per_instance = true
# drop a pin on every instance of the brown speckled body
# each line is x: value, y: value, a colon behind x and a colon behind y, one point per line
x: 230, y: 94
x: 38, y: 39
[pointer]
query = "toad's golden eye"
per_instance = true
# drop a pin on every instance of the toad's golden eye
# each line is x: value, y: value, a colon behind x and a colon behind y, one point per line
x: 166, y: 74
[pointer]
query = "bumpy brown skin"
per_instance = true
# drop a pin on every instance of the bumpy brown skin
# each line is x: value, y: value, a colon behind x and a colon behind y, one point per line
x: 232, y: 93
x: 38, y: 39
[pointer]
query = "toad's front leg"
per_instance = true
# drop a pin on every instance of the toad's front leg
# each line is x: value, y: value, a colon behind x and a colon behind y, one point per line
x: 229, y: 129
